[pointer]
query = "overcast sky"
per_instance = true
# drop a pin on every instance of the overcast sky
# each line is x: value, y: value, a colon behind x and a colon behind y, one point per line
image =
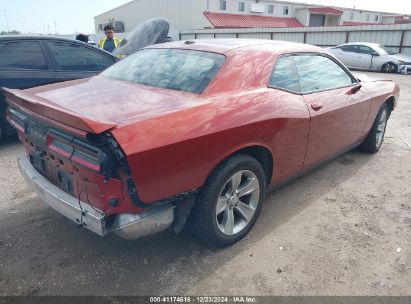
x: 67, y: 17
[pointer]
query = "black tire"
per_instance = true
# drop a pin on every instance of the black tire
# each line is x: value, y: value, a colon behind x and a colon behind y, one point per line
x: 388, y: 67
x: 204, y: 221
x: 372, y: 143
x: 3, y: 131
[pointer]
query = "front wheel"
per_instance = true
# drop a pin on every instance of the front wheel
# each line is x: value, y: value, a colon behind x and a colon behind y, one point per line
x: 388, y: 67
x: 375, y: 137
x: 230, y: 201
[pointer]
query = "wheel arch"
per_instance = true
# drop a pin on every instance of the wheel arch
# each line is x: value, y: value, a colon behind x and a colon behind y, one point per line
x: 259, y: 152
x: 390, y: 103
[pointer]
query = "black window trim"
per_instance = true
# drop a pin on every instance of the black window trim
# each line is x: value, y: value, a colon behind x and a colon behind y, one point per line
x: 57, y: 66
x: 353, y: 79
x: 48, y: 61
x: 295, y: 71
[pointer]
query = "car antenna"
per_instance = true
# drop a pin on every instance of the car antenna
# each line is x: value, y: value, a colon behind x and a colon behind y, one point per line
x: 189, y: 42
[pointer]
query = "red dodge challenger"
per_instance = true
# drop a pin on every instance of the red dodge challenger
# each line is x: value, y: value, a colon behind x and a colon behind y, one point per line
x: 193, y: 131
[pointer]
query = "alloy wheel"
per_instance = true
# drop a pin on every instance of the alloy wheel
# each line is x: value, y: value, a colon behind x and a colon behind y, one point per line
x: 237, y: 202
x: 388, y: 67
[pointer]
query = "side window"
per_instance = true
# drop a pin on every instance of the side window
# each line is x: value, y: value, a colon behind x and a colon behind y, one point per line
x: 72, y: 57
x: 284, y: 75
x: 317, y: 73
x: 26, y: 55
x: 349, y: 48
x: 365, y: 50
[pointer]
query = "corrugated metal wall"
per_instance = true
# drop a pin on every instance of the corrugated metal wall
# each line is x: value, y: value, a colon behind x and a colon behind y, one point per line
x: 180, y: 13
x: 326, y: 38
x: 393, y: 35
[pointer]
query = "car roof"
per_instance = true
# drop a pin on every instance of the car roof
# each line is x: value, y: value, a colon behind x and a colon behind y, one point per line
x: 37, y: 37
x: 51, y: 38
x: 360, y: 43
x: 234, y: 44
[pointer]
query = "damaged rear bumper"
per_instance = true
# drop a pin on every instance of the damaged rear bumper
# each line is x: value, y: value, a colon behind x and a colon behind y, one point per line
x: 129, y: 226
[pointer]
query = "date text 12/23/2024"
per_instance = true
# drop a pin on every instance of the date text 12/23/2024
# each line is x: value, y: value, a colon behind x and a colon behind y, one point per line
x: 203, y: 299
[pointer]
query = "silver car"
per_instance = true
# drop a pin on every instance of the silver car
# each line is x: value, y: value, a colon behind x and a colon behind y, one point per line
x: 369, y: 56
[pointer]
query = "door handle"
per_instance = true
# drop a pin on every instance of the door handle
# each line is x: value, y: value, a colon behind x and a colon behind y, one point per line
x: 316, y: 106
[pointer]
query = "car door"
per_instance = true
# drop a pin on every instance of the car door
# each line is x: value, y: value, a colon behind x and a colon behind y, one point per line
x: 337, y: 105
x: 363, y: 57
x: 346, y: 54
x: 23, y: 64
x: 290, y: 143
x: 75, y: 60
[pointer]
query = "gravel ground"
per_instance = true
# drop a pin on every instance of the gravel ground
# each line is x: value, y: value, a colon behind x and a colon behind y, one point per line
x: 343, y: 229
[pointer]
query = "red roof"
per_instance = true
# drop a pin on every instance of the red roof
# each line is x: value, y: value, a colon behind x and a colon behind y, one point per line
x: 325, y: 10
x: 402, y: 19
x: 223, y: 20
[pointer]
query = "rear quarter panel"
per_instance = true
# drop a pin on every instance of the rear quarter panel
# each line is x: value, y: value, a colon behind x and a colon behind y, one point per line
x: 176, y: 153
x: 380, y: 91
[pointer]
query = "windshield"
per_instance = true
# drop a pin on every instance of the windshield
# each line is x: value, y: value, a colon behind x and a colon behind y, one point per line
x: 175, y: 69
x: 383, y: 50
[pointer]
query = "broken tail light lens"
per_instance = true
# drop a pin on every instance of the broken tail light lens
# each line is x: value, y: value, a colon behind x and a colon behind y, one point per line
x: 16, y: 119
x: 75, y: 150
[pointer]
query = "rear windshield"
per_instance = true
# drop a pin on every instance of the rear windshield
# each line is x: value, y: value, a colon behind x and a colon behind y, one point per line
x: 175, y: 69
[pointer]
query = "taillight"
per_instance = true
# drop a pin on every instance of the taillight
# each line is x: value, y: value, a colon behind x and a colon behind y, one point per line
x: 60, y: 144
x: 75, y: 150
x: 16, y: 119
x: 87, y: 156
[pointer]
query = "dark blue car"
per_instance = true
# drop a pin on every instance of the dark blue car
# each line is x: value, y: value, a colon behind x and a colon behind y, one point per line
x: 29, y: 61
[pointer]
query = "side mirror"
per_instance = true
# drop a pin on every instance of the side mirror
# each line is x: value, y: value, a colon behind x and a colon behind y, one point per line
x: 375, y: 54
x: 354, y: 89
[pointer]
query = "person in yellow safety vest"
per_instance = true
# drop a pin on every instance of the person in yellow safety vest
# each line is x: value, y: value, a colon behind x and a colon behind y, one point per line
x: 110, y: 42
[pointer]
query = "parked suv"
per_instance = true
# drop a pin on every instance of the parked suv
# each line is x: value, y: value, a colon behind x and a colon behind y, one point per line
x: 29, y: 61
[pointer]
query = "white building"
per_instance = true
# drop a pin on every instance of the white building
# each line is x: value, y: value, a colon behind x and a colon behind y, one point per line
x: 198, y: 14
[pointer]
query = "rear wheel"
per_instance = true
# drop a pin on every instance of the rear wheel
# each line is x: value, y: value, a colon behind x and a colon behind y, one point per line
x: 375, y: 137
x: 230, y: 201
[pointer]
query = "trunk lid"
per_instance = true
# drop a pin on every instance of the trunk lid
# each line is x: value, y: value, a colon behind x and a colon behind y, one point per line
x: 366, y: 78
x: 99, y: 104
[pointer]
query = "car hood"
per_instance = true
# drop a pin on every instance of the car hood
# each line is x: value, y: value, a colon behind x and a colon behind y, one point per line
x: 97, y: 104
x: 402, y: 57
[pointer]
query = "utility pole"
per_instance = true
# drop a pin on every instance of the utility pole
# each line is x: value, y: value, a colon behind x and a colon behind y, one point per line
x: 7, y: 22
